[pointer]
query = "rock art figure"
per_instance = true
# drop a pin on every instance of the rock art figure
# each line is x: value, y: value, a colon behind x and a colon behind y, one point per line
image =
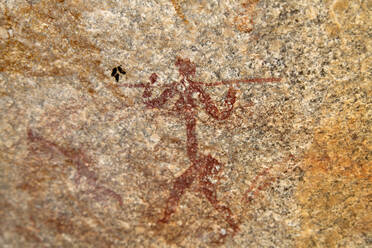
x: 79, y: 160
x: 189, y: 94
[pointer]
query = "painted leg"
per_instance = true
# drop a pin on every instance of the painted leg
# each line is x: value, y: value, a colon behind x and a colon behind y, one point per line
x: 181, y: 183
x: 211, y: 167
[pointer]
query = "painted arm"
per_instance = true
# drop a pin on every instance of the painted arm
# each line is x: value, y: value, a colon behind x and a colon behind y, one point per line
x: 211, y: 108
x: 160, y: 100
x: 155, y: 102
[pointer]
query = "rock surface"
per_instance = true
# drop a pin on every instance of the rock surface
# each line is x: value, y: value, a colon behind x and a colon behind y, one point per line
x: 180, y: 149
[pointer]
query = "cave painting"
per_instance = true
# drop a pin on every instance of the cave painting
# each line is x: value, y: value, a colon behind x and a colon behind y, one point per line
x: 188, y: 94
x: 78, y: 159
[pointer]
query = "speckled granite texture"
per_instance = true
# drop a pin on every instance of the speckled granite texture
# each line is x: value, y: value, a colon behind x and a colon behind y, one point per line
x: 179, y: 160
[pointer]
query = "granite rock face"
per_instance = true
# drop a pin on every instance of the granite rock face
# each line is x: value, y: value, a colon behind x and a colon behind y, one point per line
x: 181, y: 148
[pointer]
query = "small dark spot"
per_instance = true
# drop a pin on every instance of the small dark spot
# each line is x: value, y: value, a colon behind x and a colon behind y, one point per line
x: 91, y: 91
x: 153, y: 78
x: 117, y: 77
x: 147, y: 93
x: 121, y: 70
x: 114, y: 71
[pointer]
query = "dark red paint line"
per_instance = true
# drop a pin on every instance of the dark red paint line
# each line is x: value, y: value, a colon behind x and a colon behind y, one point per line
x: 245, y: 81
x: 189, y: 95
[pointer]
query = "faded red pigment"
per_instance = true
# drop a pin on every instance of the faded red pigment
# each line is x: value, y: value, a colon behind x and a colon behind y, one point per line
x: 189, y: 93
x: 78, y: 159
x: 266, y: 180
x: 256, y: 187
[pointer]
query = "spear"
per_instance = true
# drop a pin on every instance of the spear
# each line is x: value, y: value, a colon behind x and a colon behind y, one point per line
x: 244, y: 81
x: 139, y: 85
x: 225, y: 82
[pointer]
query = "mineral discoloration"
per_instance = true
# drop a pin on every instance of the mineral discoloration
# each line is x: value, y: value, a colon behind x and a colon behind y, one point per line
x: 178, y: 8
x: 293, y: 156
x: 335, y: 193
x: 244, y: 20
x: 30, y: 50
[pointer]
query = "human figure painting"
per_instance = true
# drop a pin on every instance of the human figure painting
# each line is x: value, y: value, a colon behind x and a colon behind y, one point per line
x: 188, y: 94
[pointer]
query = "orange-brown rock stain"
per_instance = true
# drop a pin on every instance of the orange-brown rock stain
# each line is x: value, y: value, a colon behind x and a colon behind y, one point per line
x: 49, y: 39
x: 177, y: 7
x: 44, y: 35
x: 244, y: 20
x: 335, y: 194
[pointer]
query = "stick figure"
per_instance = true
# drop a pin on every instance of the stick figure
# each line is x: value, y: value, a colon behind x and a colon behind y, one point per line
x: 203, y: 167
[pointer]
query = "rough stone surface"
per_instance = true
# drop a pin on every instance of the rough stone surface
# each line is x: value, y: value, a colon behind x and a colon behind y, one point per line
x: 87, y: 161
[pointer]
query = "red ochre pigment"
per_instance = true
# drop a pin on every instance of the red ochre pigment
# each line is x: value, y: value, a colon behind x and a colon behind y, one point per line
x: 80, y: 161
x: 266, y: 180
x: 203, y: 167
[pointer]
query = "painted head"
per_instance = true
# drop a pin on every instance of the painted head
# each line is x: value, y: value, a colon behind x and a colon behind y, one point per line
x: 185, y: 67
